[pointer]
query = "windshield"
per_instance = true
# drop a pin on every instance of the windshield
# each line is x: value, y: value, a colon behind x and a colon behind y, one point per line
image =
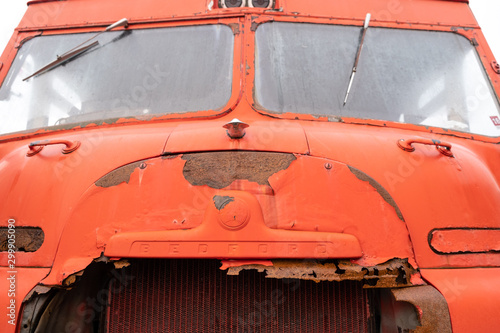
x: 136, y: 73
x: 409, y: 76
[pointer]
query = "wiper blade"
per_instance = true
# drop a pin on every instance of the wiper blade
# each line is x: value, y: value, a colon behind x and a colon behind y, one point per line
x: 62, y: 59
x: 360, y: 46
x: 79, y: 49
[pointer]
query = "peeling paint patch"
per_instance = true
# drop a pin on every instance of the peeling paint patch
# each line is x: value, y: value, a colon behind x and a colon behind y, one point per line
x: 380, y: 189
x: 118, y: 176
x: 221, y: 201
x: 71, y: 280
x: 121, y: 264
x: 28, y: 239
x: 235, y: 27
x: 219, y: 169
x: 393, y: 273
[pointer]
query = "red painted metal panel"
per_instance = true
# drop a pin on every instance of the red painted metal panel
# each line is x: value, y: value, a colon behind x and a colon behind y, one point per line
x: 421, y: 11
x: 15, y: 284
x: 233, y: 227
x: 77, y: 12
x: 472, y: 296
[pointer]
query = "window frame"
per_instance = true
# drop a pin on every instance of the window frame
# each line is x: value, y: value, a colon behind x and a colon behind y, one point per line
x: 475, y: 38
x: 234, y: 23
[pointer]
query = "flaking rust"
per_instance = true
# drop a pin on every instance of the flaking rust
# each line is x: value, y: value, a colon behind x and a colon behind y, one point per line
x: 219, y: 169
x: 393, y: 273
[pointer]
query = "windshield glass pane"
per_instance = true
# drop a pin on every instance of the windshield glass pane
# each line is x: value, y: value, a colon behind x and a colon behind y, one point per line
x: 419, y: 77
x: 135, y: 73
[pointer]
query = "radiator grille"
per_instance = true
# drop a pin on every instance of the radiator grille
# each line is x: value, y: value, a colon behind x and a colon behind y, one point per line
x: 196, y: 296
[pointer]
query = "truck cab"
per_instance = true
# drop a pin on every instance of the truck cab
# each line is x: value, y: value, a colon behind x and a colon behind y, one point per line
x: 249, y: 166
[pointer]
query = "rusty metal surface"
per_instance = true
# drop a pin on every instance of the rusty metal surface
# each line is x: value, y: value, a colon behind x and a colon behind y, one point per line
x: 118, y: 176
x: 28, y: 239
x: 433, y: 313
x: 394, y: 273
x: 219, y: 169
x: 221, y: 201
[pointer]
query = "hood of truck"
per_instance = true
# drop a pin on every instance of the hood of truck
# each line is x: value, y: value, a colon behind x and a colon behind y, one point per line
x: 204, y: 194
x: 288, y: 189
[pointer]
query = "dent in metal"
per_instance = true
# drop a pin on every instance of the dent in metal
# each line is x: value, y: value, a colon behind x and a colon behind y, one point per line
x: 393, y: 273
x: 379, y: 188
x: 118, y: 176
x: 28, y: 239
x: 219, y: 169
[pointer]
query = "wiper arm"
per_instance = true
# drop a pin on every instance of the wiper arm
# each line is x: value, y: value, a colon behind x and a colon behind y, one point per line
x: 360, y: 46
x: 62, y: 59
x: 77, y: 50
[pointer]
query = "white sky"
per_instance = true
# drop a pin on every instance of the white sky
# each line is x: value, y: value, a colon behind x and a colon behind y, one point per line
x: 487, y: 12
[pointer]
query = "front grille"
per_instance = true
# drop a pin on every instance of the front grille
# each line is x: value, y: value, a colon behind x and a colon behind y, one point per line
x: 196, y: 296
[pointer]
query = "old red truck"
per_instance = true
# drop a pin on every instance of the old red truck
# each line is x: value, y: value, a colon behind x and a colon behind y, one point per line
x: 249, y: 166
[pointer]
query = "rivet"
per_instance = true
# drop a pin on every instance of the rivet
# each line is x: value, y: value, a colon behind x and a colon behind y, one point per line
x: 328, y: 166
x: 142, y: 166
x: 496, y: 66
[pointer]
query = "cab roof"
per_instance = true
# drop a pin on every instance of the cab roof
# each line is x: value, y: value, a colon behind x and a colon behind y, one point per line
x: 60, y: 14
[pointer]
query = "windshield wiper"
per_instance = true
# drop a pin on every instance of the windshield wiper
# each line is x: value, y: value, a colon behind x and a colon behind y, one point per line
x: 79, y: 49
x: 62, y: 59
x: 360, y: 46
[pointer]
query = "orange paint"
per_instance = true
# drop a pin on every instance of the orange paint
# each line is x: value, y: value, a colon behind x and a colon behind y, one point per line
x: 456, y: 241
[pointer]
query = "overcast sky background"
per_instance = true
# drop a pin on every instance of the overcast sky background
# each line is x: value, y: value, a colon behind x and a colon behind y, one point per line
x: 487, y: 12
